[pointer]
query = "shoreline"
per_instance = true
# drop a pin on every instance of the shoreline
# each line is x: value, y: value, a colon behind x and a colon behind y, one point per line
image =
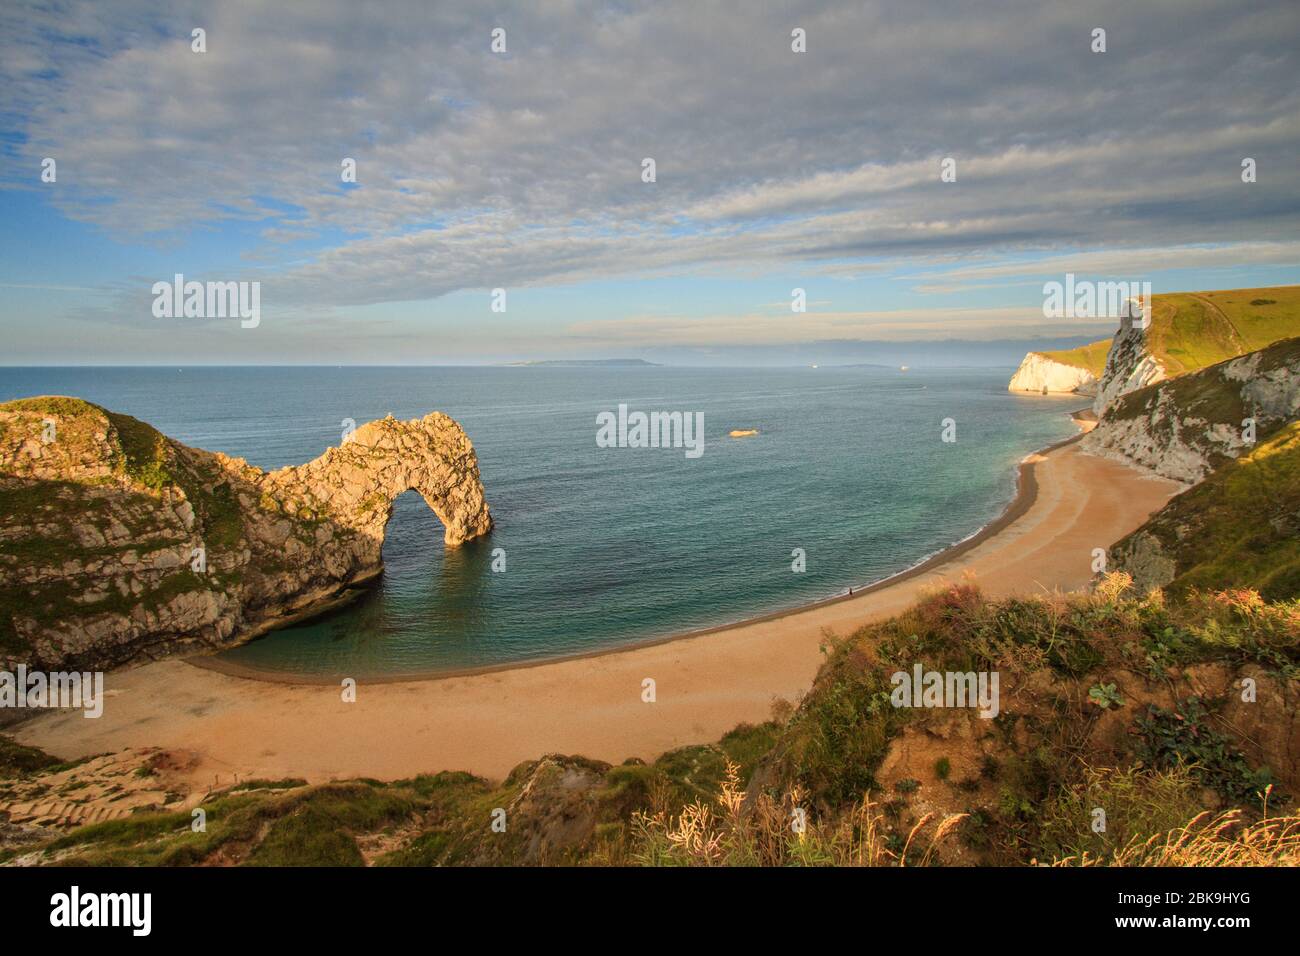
x: 223, y: 729
x: 1022, y: 500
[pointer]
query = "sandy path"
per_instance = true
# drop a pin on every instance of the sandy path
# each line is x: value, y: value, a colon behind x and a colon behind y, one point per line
x: 487, y: 723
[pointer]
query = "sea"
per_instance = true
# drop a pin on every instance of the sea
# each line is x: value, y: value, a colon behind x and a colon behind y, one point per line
x: 848, y: 480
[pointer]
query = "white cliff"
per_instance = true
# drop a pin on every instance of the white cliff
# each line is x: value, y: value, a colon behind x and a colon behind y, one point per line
x: 1187, y: 426
x: 1040, y: 374
x: 1129, y: 367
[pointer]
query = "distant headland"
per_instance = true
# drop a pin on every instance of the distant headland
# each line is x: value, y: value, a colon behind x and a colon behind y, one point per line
x: 572, y: 363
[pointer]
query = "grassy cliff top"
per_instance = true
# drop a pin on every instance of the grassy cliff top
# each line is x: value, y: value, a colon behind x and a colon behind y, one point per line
x: 93, y: 496
x: 57, y: 405
x: 88, y: 435
x: 1191, y: 330
x: 1091, y: 357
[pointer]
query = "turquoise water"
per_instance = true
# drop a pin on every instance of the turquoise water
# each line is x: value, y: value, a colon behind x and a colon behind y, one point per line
x: 609, y: 546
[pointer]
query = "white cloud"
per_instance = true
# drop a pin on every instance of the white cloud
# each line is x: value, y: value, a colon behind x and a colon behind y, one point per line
x: 478, y: 170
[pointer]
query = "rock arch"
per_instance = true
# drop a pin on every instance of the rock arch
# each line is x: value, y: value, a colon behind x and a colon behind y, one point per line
x: 358, y: 481
x: 143, y: 546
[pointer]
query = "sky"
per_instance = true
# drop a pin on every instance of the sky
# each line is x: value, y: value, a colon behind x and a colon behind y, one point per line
x: 523, y: 169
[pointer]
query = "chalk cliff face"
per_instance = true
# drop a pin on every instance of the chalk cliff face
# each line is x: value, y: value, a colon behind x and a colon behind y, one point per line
x: 1040, y: 374
x: 1187, y: 426
x: 118, y: 544
x: 1129, y: 367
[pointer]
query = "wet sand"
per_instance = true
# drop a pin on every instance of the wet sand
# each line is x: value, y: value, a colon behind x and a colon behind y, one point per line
x: 1068, y: 504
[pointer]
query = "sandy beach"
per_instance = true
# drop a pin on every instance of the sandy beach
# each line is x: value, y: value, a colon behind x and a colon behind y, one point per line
x: 240, y: 728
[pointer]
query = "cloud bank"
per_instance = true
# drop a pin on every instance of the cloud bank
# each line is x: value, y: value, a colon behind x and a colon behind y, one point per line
x: 478, y: 170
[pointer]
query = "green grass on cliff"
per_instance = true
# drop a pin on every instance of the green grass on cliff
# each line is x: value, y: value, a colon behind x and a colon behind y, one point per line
x: 1091, y: 357
x: 56, y: 603
x: 307, y: 826
x: 1048, y: 653
x: 150, y: 459
x: 152, y: 463
x: 1241, y: 526
x: 17, y: 759
x: 438, y: 819
x: 1204, y: 395
x: 1192, y: 330
x: 1039, y: 763
x: 63, y: 406
x: 1260, y: 316
x: 429, y: 820
x: 144, y: 451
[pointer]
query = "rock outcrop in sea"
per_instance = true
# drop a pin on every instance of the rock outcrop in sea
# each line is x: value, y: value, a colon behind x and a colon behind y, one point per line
x: 119, y: 544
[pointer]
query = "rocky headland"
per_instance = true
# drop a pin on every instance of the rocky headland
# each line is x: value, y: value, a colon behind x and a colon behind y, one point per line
x: 1042, y: 374
x: 119, y: 544
x: 1185, y: 427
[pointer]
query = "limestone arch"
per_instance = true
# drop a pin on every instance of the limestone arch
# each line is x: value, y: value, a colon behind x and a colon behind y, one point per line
x: 362, y: 477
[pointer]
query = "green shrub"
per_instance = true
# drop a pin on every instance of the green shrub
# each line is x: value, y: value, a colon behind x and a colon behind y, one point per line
x: 1185, y: 737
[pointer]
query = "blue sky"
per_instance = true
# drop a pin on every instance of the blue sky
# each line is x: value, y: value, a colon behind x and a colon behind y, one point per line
x: 775, y: 170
